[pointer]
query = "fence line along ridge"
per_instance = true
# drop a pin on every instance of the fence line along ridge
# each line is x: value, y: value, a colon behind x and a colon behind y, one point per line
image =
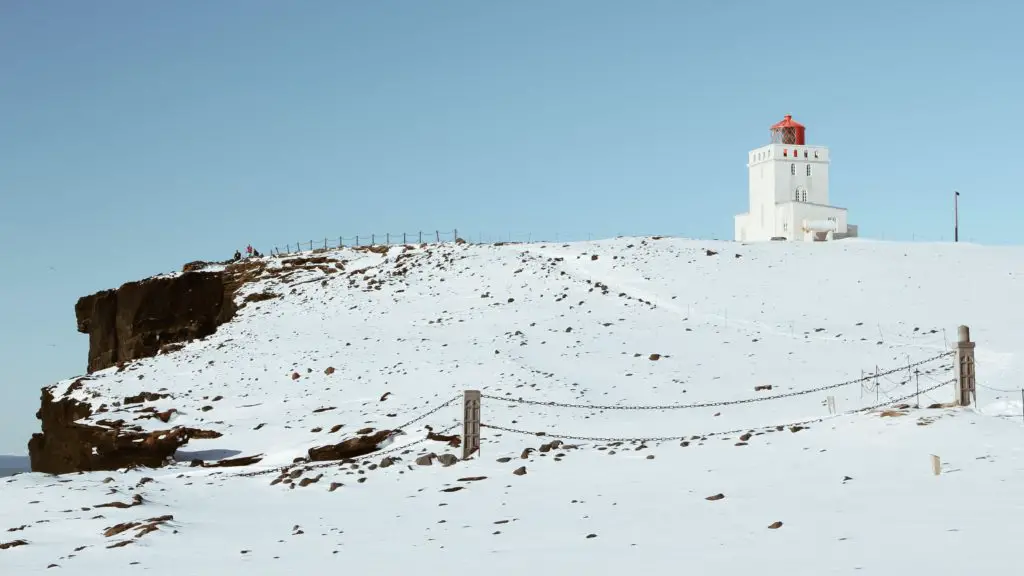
x: 865, y: 378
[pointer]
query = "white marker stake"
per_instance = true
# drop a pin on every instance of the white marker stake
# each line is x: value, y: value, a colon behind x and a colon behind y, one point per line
x: 936, y: 465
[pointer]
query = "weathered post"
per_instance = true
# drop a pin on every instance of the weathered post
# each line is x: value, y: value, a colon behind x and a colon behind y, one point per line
x: 965, y: 367
x: 470, y: 423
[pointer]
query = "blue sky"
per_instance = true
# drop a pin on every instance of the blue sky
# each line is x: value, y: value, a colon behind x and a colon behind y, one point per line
x: 137, y: 136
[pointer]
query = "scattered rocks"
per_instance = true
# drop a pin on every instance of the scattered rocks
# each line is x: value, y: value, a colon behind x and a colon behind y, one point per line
x: 715, y: 497
x: 775, y: 525
x: 654, y: 357
x: 13, y: 544
x: 520, y: 471
x: 329, y: 370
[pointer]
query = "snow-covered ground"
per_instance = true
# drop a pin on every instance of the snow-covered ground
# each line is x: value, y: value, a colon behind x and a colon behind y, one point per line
x: 626, y: 324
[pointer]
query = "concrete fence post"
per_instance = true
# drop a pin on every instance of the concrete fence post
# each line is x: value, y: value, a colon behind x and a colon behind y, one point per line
x: 470, y: 423
x: 965, y: 374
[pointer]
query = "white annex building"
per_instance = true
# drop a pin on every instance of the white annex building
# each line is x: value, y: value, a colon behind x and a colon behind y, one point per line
x: 789, y: 191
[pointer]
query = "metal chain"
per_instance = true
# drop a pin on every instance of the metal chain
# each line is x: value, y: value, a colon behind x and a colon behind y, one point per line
x: 887, y: 402
x: 714, y: 404
x: 375, y: 454
x: 432, y: 411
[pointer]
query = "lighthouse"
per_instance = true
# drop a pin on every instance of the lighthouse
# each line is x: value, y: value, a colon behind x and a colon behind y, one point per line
x: 788, y: 191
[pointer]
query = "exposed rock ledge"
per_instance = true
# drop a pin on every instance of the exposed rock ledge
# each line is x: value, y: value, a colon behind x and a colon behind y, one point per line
x: 66, y: 445
x: 137, y: 319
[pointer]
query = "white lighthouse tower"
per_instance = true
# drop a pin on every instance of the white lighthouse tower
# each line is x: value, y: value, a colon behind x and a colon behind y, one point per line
x: 789, y: 191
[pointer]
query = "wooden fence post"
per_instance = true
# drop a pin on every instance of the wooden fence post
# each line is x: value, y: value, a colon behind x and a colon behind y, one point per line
x: 965, y: 373
x: 470, y: 423
x: 387, y: 238
x: 341, y: 241
x: 373, y: 239
x: 437, y: 236
x: 403, y: 238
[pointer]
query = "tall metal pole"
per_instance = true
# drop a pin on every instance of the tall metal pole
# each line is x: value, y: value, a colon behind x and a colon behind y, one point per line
x: 956, y: 216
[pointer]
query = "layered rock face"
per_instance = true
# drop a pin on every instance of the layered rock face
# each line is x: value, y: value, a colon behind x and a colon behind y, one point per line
x: 68, y: 446
x: 138, y: 318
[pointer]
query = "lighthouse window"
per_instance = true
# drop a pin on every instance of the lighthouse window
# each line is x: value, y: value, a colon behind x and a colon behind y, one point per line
x: 803, y: 196
x: 815, y: 153
x: 805, y: 153
x: 808, y: 169
x: 792, y: 169
x: 796, y: 196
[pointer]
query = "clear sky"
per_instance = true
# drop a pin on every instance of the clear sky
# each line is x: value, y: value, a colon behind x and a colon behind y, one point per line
x: 137, y: 136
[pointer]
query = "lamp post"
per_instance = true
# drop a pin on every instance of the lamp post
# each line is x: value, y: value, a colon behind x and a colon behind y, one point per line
x: 956, y: 216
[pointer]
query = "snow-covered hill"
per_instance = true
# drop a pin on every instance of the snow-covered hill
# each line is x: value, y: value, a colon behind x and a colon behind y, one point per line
x: 649, y: 358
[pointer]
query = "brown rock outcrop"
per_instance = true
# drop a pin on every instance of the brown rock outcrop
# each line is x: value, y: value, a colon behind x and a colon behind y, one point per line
x: 135, y: 320
x: 66, y: 445
x: 351, y: 448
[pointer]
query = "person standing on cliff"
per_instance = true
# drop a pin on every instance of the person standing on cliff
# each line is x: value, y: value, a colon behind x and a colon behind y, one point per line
x: 248, y: 250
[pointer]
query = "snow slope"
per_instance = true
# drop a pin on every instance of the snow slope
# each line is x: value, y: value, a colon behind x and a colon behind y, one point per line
x: 576, y: 325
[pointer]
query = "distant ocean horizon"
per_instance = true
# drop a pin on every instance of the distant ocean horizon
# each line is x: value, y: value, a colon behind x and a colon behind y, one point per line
x: 11, y: 465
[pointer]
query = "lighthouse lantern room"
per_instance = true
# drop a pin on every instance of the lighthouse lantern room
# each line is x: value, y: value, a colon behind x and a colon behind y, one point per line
x: 788, y: 191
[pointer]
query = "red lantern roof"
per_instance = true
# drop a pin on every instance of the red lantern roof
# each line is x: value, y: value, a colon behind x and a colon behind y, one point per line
x: 788, y: 131
x: 788, y: 122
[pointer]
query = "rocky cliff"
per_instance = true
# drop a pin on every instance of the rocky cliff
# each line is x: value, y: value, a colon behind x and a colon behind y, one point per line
x: 137, y: 319
x: 66, y: 445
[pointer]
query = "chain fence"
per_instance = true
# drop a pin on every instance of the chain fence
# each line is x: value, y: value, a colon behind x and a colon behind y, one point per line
x: 644, y: 439
x: 865, y: 378
x: 389, y: 450
x: 889, y: 401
